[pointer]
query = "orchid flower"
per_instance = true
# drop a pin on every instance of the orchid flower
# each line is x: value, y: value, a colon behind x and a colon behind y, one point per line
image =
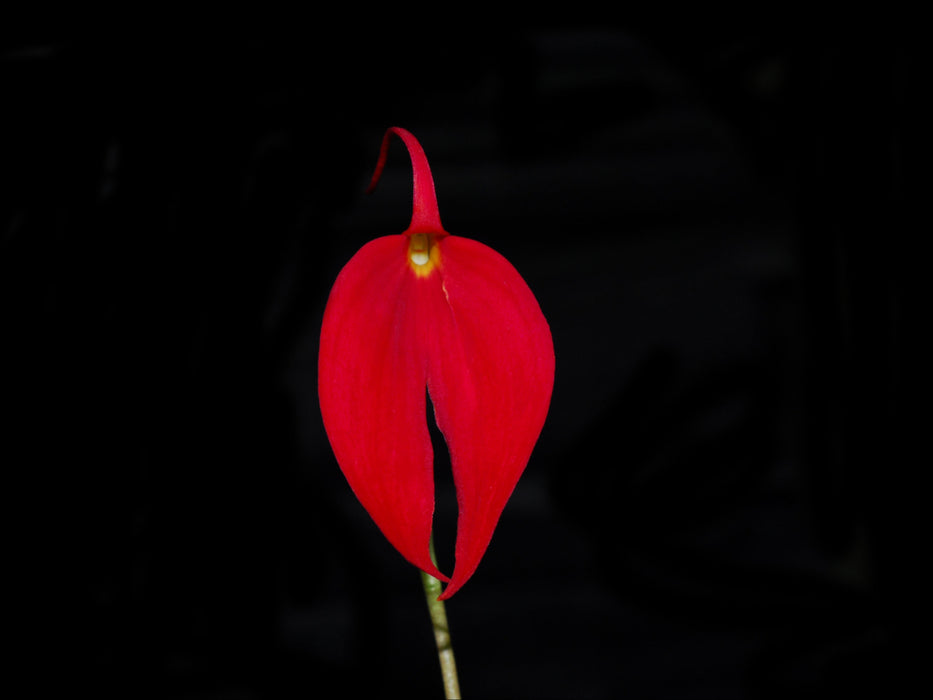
x: 427, y: 312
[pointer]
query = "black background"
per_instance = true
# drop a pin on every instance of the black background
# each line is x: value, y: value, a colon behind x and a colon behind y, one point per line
x: 715, y: 223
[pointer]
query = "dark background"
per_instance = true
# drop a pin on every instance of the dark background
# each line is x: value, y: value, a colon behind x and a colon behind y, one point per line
x: 715, y: 223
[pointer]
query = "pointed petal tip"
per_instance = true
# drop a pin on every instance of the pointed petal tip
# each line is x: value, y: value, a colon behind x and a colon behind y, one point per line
x: 443, y: 578
x: 454, y: 584
x: 435, y: 572
x: 448, y: 592
x: 424, y: 214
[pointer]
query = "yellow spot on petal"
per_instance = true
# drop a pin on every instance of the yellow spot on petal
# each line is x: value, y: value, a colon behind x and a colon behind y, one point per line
x: 423, y: 253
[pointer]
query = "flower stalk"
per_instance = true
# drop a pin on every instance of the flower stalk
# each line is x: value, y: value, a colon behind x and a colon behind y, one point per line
x: 445, y: 650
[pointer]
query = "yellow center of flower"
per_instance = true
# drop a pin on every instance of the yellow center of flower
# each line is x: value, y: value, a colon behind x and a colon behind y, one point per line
x: 423, y: 253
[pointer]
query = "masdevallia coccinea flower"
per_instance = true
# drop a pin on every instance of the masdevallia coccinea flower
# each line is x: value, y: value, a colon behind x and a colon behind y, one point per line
x: 428, y: 310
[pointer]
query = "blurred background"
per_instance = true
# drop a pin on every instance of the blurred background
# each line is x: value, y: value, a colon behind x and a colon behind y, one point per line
x: 715, y: 225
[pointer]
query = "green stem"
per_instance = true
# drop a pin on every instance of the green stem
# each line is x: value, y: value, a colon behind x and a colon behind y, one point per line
x: 445, y: 652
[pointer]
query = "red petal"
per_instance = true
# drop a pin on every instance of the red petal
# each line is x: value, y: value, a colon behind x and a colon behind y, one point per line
x: 490, y: 376
x: 371, y: 385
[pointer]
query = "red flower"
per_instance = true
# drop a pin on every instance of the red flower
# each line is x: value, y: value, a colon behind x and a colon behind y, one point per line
x: 427, y: 310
